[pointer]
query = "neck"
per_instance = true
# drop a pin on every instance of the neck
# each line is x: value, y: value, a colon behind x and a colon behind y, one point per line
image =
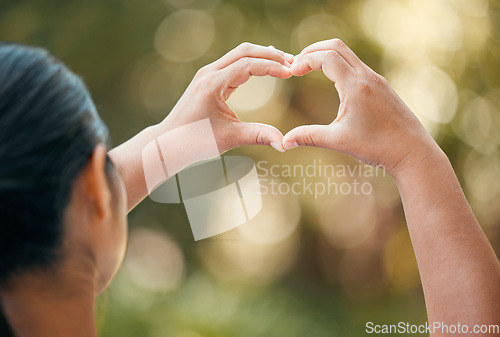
x: 41, y: 307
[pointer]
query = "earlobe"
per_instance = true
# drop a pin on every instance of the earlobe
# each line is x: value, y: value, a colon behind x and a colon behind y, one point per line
x: 97, y: 186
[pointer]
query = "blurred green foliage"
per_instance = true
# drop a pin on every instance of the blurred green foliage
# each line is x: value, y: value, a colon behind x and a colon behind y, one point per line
x: 345, y: 260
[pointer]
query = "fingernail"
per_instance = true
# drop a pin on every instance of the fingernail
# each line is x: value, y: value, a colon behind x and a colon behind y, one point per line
x: 287, y: 64
x: 288, y: 146
x: 277, y: 147
x: 289, y: 57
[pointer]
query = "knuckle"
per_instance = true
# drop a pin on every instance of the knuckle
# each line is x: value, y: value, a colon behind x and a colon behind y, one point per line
x: 374, y: 77
x: 204, y: 77
x: 259, y: 138
x: 368, y: 82
x: 338, y: 42
x: 245, y: 62
x: 204, y: 82
x: 365, y: 86
x: 305, y: 58
x: 332, y: 54
x: 245, y: 46
x: 308, y: 139
x: 377, y: 80
x: 383, y: 80
x: 202, y: 72
x: 281, y: 55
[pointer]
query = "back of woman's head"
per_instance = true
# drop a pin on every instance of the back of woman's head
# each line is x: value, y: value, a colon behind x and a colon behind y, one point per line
x: 48, y: 130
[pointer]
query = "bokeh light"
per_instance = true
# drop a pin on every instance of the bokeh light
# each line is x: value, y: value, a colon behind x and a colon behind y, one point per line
x: 316, y: 28
x: 429, y: 92
x: 185, y: 36
x: 253, y: 95
x: 154, y: 262
x: 304, y: 266
x: 400, y: 263
x: 259, y: 251
x: 347, y: 220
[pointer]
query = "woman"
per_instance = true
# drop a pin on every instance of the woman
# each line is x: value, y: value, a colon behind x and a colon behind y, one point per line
x: 63, y: 201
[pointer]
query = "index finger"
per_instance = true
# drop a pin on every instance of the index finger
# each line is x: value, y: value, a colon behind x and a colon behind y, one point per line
x: 247, y: 49
x: 241, y: 71
x: 337, y: 45
x: 334, y: 66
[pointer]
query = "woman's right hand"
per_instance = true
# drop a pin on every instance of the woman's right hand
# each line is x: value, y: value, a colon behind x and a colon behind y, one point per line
x: 373, y: 124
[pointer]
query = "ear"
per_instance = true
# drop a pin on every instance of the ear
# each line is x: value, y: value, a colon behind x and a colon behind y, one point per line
x: 96, y: 183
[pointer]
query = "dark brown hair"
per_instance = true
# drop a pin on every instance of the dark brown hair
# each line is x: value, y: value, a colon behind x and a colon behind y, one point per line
x: 48, y: 129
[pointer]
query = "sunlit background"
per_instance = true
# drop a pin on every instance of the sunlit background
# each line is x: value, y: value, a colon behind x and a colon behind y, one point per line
x: 303, y: 266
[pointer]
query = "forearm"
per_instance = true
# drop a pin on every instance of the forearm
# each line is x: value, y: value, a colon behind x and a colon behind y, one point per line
x: 127, y: 159
x: 184, y: 138
x: 159, y: 152
x: 459, y: 270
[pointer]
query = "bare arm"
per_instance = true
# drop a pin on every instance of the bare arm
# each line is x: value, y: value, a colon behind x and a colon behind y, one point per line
x: 459, y: 270
x: 205, y: 99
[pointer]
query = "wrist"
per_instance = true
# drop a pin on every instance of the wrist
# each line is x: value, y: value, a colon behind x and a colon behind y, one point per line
x: 182, y: 146
x: 170, y: 122
x: 420, y: 161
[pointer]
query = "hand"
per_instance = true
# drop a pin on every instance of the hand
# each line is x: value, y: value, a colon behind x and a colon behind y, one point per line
x: 213, y: 84
x: 373, y: 124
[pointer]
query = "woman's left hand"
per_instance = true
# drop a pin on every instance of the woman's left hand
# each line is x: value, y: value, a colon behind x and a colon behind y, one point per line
x: 211, y: 87
x: 204, y: 99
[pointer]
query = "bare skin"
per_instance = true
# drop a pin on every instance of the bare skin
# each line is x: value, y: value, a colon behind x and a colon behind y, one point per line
x: 205, y: 98
x: 60, y: 301
x: 459, y: 270
x: 37, y: 307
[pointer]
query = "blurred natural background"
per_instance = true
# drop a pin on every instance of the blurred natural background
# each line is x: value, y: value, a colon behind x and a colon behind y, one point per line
x: 304, y: 266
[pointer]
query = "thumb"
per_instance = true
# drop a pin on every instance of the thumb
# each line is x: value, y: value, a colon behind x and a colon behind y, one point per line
x: 260, y: 134
x: 311, y: 135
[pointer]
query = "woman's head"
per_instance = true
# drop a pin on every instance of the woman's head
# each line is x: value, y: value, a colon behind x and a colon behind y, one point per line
x: 54, y: 170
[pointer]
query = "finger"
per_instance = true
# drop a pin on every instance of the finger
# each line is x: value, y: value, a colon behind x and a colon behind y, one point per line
x: 241, y: 71
x: 310, y: 135
x: 259, y: 134
x: 337, y: 45
x: 288, y: 57
x: 251, y: 50
x: 332, y: 63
